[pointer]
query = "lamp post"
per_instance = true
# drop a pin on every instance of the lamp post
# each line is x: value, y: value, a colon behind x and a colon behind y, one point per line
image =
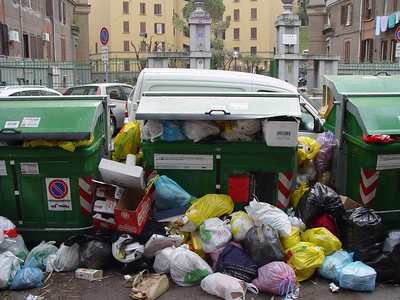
x: 235, y: 55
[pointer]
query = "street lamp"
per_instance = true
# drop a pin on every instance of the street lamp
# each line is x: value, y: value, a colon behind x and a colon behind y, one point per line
x: 235, y: 55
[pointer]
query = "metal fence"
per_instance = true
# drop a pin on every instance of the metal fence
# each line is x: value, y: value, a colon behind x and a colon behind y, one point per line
x: 369, y: 68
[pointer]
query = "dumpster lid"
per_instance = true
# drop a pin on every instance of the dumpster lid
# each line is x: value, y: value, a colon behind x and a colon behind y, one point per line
x: 49, y: 117
x: 376, y: 115
x: 216, y: 106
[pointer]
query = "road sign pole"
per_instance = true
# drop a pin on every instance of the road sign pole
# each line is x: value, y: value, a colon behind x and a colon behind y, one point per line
x: 106, y: 70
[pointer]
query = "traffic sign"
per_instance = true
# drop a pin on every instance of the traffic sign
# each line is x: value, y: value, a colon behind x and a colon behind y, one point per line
x: 104, y: 36
x: 397, y: 34
x: 58, y: 189
x: 397, y: 53
x: 104, y: 53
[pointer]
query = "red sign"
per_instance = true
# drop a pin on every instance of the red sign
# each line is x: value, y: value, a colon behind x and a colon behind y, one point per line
x: 397, y: 34
x: 104, y: 36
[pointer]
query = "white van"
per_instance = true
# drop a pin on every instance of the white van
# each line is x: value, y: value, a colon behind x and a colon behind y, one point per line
x: 204, y: 80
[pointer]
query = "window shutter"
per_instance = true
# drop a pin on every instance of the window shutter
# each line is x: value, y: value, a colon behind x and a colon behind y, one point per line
x: 343, y: 15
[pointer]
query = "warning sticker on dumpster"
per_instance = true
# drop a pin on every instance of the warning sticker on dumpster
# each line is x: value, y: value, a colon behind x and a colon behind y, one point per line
x: 29, y: 168
x: 183, y: 161
x: 30, y: 122
x: 388, y: 161
x: 3, y: 170
x: 58, y: 194
x: 11, y: 124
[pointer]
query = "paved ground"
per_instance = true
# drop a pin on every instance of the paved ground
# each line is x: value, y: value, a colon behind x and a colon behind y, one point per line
x: 63, y: 286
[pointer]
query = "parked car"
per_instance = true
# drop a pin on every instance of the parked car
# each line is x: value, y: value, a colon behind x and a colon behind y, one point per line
x: 27, y: 90
x: 118, y: 93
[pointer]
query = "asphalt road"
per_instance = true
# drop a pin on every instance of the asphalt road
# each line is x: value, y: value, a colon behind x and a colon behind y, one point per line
x: 64, y: 286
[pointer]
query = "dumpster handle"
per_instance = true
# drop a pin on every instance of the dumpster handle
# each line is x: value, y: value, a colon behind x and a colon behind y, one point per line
x: 217, y: 110
x: 13, y: 130
x: 382, y: 72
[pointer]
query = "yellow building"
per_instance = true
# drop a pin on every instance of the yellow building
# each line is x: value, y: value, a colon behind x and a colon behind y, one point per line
x: 136, y: 26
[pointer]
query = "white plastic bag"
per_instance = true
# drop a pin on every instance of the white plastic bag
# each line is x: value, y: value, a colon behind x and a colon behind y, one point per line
x: 226, y: 287
x: 126, y: 249
x: 16, y: 246
x: 158, y: 242
x: 8, y: 227
x: 199, y: 129
x: 213, y: 234
x: 188, y: 268
x: 240, y: 224
x: 162, y: 260
x: 153, y: 130
x: 66, y: 259
x: 242, y: 130
x: 265, y: 213
x: 38, y: 256
x: 9, y: 265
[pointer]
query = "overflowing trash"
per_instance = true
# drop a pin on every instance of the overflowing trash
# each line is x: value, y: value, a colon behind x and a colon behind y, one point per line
x: 202, y: 240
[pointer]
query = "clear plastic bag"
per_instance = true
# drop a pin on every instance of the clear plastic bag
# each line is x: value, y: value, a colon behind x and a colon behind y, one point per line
x: 153, y: 130
x: 196, y: 130
x: 323, y: 158
x: 226, y: 287
x: 38, y: 256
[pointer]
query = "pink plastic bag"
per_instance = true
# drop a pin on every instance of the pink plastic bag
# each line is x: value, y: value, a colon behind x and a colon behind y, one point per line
x: 276, y: 278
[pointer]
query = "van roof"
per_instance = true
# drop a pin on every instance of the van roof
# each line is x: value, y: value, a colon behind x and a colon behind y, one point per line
x: 207, y: 75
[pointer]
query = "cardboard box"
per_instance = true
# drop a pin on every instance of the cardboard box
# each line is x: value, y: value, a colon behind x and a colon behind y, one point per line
x: 101, y: 222
x: 280, y: 133
x: 88, y: 274
x: 122, y: 175
x: 104, y: 206
x: 133, y: 210
x: 348, y: 203
x: 106, y: 190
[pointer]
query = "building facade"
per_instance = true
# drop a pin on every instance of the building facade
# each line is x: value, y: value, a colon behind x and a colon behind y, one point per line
x: 358, y: 30
x: 39, y: 29
x: 139, y: 26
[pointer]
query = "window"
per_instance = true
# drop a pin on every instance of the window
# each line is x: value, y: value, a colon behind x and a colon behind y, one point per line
x: 236, y: 0
x: 253, y: 13
x: 61, y: 11
x: 368, y: 9
x: 4, y: 50
x: 253, y: 50
x: 126, y: 45
x: 142, y: 8
x: 396, y: 5
x: 366, y: 50
x: 159, y: 46
x: 39, y: 43
x: 35, y: 5
x: 235, y: 33
x: 127, y: 65
x: 253, y: 33
x: 157, y: 9
x: 63, y: 49
x: 143, y: 47
x: 125, y: 27
x: 346, y: 51
x: 142, y: 27
x: 236, y: 49
x: 125, y: 7
x: 159, y: 28
x: 96, y: 47
x: 26, y: 46
x: 393, y: 50
x: 346, y: 14
x: 15, y: 1
x: 33, y: 43
x: 236, y: 15
x: 49, y: 8
x: 385, y: 7
x: 384, y: 50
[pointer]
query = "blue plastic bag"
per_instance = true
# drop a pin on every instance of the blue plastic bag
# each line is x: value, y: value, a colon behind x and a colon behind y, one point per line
x: 357, y: 276
x: 170, y: 195
x: 27, y: 278
x: 172, y: 131
x: 334, y: 263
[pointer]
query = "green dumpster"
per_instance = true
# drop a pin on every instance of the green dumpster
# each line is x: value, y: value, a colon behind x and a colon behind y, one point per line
x: 44, y: 190
x: 240, y: 169
x: 368, y: 173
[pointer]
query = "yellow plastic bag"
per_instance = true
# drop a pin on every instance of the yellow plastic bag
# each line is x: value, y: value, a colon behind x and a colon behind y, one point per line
x: 324, y: 238
x: 292, y: 239
x: 304, y: 258
x: 66, y: 145
x: 127, y: 141
x: 194, y: 244
x: 240, y: 224
x: 308, y: 148
x: 296, y: 195
x: 209, y: 206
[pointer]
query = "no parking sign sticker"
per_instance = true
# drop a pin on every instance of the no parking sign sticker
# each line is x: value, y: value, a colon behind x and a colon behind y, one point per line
x: 58, y: 194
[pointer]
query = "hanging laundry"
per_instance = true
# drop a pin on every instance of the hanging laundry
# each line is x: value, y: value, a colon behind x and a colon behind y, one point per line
x: 392, y: 20
x: 378, y: 26
x: 384, y: 23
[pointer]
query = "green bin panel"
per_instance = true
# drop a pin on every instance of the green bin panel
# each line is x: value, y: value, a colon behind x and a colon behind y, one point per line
x: 228, y: 158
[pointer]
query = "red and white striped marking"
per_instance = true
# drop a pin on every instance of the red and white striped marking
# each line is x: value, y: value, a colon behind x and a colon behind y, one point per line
x: 368, y: 185
x: 284, y: 185
x: 85, y: 195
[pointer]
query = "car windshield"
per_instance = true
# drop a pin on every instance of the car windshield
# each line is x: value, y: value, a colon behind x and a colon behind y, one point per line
x: 82, y: 90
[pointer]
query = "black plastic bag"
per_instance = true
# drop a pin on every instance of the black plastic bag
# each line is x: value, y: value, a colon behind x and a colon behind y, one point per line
x: 318, y: 200
x: 136, y: 266
x: 263, y: 245
x: 387, y: 263
x: 362, y: 232
x: 235, y: 262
